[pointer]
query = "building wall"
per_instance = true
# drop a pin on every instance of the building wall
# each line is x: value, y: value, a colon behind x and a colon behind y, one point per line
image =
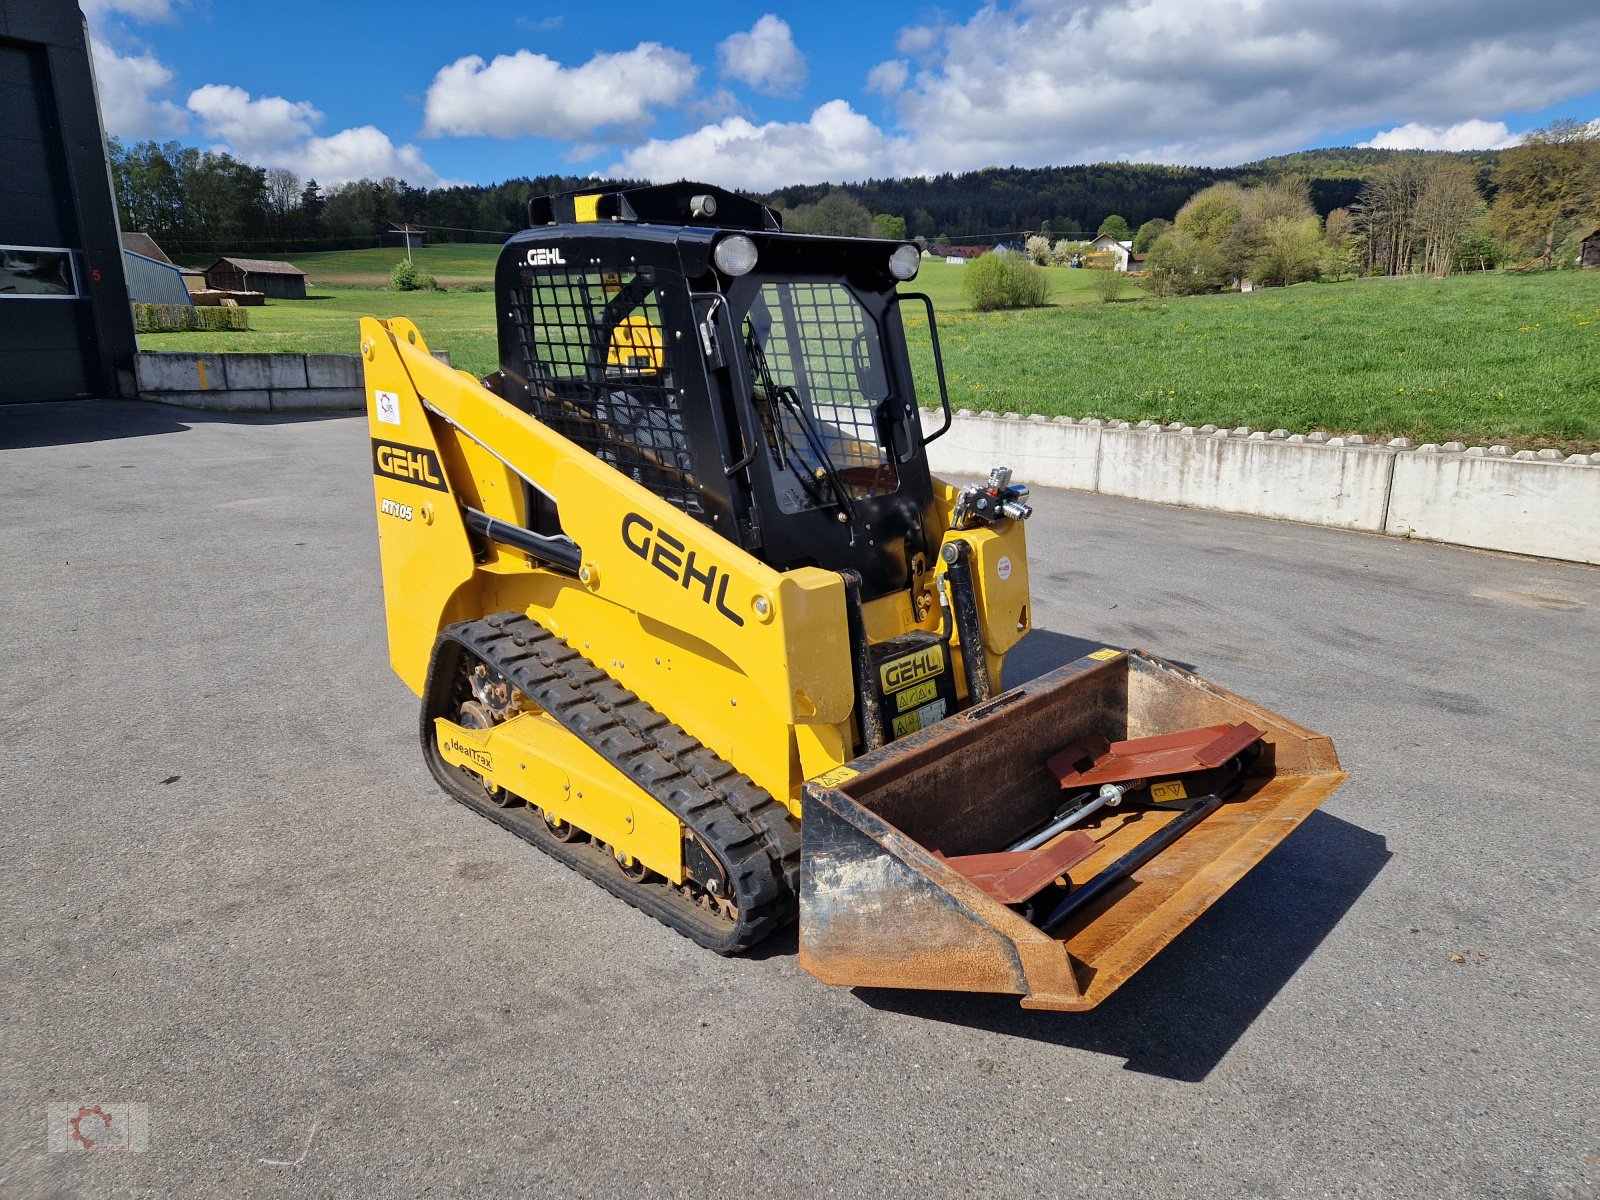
x: 56, y: 208
x: 276, y: 287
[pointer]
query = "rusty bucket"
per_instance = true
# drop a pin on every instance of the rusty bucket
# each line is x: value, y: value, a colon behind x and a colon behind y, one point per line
x: 881, y: 905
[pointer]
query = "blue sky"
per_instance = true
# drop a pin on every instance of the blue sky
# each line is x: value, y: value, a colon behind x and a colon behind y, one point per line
x: 763, y: 96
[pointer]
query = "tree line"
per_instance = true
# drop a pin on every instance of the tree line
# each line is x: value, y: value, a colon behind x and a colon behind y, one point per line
x: 1426, y: 213
x: 202, y: 201
x: 1378, y: 211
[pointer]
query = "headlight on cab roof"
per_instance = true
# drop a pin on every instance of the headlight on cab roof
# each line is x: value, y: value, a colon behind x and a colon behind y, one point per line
x: 903, y: 263
x: 735, y: 255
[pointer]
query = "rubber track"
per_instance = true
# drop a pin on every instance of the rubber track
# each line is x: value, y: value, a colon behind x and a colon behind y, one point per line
x: 753, y: 836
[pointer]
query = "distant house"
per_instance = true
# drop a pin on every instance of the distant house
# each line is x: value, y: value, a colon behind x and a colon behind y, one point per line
x: 1120, y: 252
x: 278, y: 280
x: 407, y: 237
x: 1589, y: 255
x: 144, y: 246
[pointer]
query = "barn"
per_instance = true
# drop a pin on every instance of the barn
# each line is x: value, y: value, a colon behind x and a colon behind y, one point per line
x: 152, y: 275
x: 153, y: 282
x: 277, y: 280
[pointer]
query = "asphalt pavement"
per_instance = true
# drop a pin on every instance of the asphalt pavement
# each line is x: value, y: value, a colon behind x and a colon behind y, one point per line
x: 233, y: 895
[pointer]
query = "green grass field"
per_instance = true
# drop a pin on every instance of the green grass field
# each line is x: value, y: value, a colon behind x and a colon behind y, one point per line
x: 1510, y: 358
x: 453, y: 265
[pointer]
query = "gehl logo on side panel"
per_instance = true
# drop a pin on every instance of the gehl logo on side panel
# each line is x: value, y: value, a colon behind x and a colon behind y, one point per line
x: 408, y: 464
x: 544, y: 256
x: 667, y: 554
x: 902, y: 672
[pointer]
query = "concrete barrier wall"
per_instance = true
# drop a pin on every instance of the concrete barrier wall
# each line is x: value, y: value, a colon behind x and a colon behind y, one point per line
x: 1530, y: 502
x: 260, y: 383
x: 1485, y: 496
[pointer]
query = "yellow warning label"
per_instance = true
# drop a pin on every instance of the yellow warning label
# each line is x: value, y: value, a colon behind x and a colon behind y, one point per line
x: 1104, y: 654
x: 916, y: 695
x: 586, y: 208
x: 1172, y: 789
x: 834, y: 777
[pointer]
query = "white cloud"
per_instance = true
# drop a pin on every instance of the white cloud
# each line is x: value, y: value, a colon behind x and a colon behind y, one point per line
x: 836, y: 143
x: 139, y: 10
x: 273, y: 132
x: 889, y: 78
x: 1220, y: 82
x: 718, y: 106
x: 765, y: 58
x: 1464, y: 135
x: 527, y: 94
x: 130, y: 86
x: 251, y: 126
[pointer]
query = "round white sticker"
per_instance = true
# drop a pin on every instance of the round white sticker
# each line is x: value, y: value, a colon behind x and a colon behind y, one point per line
x: 1003, y: 568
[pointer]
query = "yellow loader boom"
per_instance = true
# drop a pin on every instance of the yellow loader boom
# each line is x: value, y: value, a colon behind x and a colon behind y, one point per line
x: 687, y: 611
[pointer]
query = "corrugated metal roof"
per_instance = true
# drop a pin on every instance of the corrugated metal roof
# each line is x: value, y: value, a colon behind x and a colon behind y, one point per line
x: 260, y: 266
x: 153, y: 282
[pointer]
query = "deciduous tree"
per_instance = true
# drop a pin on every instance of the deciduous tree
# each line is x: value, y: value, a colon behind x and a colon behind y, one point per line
x: 1548, y: 185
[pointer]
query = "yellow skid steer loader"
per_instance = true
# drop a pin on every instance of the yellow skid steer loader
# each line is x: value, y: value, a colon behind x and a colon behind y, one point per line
x: 687, y: 611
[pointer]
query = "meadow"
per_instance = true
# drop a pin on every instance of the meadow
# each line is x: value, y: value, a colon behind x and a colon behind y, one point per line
x: 1476, y: 358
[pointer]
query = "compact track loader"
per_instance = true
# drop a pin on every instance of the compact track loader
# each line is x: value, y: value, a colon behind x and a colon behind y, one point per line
x: 687, y: 611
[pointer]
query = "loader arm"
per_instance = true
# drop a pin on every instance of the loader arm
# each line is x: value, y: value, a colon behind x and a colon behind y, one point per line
x: 751, y: 652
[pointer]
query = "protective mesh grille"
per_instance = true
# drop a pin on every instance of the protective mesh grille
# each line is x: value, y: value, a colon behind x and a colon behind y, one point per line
x: 599, y: 374
x: 812, y: 345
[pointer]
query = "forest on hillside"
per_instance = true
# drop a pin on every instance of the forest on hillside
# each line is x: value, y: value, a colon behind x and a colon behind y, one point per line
x: 197, y: 202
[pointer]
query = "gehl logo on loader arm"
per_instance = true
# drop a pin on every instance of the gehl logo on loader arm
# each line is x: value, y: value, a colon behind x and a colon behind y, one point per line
x: 666, y: 554
x: 408, y: 464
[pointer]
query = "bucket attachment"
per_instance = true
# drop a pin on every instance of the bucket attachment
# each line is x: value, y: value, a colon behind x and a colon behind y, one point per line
x: 905, y: 877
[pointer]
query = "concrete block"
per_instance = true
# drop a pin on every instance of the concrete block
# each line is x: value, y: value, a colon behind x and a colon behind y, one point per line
x: 218, y: 400
x: 265, y: 370
x: 1402, y: 444
x: 1498, y: 503
x: 333, y: 399
x: 1065, y: 456
x: 1278, y: 434
x: 333, y: 370
x: 1454, y: 447
x: 1549, y: 455
x: 177, y: 371
x: 1296, y: 482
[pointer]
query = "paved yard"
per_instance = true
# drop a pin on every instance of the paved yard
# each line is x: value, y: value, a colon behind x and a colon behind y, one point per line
x: 233, y: 894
